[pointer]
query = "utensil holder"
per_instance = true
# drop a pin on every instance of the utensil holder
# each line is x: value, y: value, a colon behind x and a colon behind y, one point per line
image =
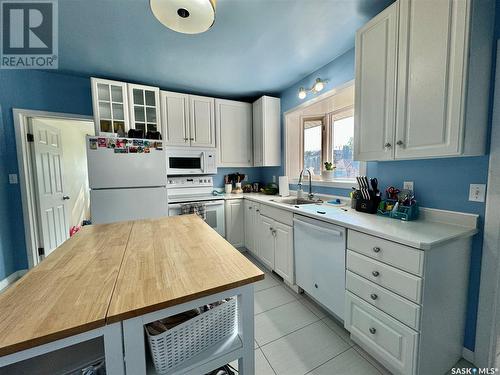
x: 228, y: 188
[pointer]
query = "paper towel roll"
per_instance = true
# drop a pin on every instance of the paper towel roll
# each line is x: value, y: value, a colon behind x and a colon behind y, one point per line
x: 283, y: 186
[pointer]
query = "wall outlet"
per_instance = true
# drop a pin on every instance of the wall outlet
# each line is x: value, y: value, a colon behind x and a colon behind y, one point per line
x: 274, y: 179
x: 13, y: 178
x: 408, y: 185
x: 477, y: 192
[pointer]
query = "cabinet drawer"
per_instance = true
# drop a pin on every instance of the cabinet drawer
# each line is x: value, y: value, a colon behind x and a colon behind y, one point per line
x: 282, y: 216
x: 397, y: 255
x: 389, y: 341
x: 398, y: 281
x: 403, y: 310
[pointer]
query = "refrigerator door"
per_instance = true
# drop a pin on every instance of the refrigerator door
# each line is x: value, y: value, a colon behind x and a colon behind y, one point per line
x: 112, y: 205
x: 109, y: 169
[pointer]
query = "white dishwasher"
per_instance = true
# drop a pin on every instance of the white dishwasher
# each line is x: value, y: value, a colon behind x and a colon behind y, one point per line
x: 320, y: 261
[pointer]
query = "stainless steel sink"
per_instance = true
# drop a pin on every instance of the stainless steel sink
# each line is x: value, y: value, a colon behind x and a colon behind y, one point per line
x: 297, y: 201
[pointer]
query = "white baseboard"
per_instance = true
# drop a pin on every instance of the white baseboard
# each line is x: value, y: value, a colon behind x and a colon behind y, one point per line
x: 12, y: 278
x: 468, y: 355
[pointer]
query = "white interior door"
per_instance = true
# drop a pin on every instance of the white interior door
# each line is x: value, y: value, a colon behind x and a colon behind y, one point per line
x: 48, y: 162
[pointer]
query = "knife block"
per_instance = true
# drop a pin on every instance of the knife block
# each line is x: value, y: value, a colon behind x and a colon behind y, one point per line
x: 368, y: 206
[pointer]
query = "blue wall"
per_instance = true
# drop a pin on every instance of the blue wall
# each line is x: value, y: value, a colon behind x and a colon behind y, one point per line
x: 439, y: 183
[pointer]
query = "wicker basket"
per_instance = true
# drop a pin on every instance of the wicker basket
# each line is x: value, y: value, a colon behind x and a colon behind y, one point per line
x: 183, y: 342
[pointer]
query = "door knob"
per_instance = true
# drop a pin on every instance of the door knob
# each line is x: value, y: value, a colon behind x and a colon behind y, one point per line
x: 372, y: 330
x: 375, y: 273
x: 65, y: 197
x: 387, y: 145
x: 376, y: 249
x: 400, y: 143
x: 373, y: 296
x: 316, y: 286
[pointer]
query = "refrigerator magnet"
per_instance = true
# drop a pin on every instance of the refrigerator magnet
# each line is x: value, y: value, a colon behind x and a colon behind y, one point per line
x: 146, y: 143
x: 121, y: 151
x: 120, y: 143
x: 101, y: 142
x: 146, y: 150
x: 132, y: 150
x: 111, y: 143
x: 140, y: 149
x: 159, y: 145
x: 93, y: 144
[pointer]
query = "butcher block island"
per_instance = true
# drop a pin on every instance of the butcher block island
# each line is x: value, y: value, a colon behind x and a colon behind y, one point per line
x: 110, y: 281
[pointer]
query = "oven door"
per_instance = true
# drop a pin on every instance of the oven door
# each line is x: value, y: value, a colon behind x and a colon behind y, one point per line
x: 214, y: 212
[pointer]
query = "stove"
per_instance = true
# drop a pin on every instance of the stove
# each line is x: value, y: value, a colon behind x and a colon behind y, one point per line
x: 195, y: 190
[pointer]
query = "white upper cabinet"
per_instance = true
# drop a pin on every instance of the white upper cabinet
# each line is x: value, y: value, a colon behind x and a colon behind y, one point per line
x: 234, y: 133
x: 144, y: 107
x: 266, y: 132
x: 375, y: 86
x: 109, y: 99
x: 442, y: 80
x: 175, y: 118
x: 202, y: 121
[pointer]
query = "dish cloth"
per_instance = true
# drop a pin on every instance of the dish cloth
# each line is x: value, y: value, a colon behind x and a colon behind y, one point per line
x: 194, y: 208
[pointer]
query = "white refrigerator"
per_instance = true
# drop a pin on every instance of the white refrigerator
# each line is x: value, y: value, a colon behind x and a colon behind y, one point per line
x: 127, y: 179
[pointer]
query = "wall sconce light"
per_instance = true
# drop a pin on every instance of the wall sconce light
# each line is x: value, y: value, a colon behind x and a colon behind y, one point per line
x: 319, y: 85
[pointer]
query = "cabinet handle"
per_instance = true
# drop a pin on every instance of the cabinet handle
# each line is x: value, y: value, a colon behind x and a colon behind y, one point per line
x: 316, y: 286
x: 186, y: 139
x: 373, y: 296
x: 375, y: 273
x: 191, y: 139
x: 271, y: 229
x: 387, y: 145
x: 257, y: 210
x: 376, y: 249
x: 250, y: 207
x: 400, y: 143
x: 372, y: 330
x: 274, y: 232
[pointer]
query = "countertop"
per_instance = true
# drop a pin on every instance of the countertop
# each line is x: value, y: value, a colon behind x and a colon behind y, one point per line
x: 67, y: 293
x: 110, y: 272
x: 173, y: 260
x: 436, y: 227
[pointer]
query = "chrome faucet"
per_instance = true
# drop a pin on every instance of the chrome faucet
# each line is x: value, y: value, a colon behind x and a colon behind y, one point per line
x: 310, y: 195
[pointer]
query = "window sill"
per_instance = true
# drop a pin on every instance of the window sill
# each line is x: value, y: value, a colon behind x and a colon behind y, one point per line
x: 341, y: 184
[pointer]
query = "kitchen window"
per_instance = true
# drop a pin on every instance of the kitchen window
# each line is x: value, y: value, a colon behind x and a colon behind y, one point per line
x: 323, y: 131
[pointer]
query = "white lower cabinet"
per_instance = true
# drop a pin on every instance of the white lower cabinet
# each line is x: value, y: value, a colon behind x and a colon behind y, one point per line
x: 235, y: 222
x: 393, y: 343
x: 266, y: 241
x: 251, y: 232
x: 269, y: 240
x: 283, y: 251
x: 405, y: 306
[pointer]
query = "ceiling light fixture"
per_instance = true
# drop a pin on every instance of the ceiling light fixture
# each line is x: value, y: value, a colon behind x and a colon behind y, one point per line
x: 319, y: 85
x: 185, y: 16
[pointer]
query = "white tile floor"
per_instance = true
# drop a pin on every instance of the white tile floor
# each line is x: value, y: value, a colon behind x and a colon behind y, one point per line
x: 295, y: 336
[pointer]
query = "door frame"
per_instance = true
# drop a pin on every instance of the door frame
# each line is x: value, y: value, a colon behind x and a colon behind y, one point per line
x: 488, y: 312
x: 26, y: 174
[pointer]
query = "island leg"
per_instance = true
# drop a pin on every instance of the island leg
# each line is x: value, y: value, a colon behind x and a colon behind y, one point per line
x: 113, y: 349
x: 246, y: 364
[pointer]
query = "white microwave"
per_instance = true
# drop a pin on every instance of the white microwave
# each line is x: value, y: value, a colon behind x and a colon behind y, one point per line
x: 186, y: 161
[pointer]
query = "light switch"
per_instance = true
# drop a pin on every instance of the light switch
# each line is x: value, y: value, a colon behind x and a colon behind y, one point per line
x: 408, y: 185
x: 12, y: 178
x: 477, y: 192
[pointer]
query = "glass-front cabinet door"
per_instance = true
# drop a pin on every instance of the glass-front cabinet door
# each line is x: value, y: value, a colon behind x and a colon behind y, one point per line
x: 110, y: 102
x: 144, y: 108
